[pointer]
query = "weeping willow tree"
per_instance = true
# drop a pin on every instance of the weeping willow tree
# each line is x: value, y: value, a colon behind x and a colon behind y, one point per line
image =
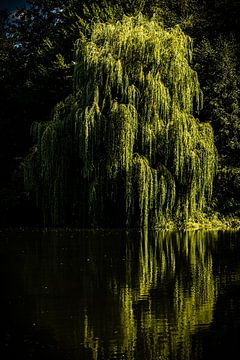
x: 125, y: 148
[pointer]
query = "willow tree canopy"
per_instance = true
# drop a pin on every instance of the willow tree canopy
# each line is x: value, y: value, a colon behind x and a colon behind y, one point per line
x: 125, y: 149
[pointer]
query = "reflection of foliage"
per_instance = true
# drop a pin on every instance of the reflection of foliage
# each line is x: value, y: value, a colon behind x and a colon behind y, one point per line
x: 127, y: 136
x: 108, y: 294
x: 166, y: 263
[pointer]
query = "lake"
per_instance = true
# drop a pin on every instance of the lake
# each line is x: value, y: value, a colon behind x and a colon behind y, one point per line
x: 111, y: 294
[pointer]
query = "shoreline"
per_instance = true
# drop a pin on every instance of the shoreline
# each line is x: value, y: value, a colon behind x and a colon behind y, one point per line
x: 213, y: 223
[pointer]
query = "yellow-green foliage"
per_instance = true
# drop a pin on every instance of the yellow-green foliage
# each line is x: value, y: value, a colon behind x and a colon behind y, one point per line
x: 130, y: 129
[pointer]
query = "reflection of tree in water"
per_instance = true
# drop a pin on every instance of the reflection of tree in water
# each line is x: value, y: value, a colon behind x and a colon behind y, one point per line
x: 111, y: 294
x: 163, y: 303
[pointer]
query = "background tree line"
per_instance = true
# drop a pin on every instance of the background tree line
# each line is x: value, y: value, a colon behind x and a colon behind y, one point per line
x: 36, y: 67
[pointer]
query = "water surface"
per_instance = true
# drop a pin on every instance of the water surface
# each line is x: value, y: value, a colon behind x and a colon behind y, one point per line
x: 119, y: 295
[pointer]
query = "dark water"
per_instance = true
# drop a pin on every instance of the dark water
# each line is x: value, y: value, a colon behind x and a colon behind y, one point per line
x: 119, y: 295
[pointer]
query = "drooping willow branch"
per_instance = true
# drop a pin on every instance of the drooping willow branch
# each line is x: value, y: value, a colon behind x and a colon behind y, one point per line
x: 125, y: 149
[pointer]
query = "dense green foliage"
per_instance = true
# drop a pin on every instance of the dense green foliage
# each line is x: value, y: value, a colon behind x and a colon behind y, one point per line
x: 221, y: 89
x: 36, y: 56
x: 135, y: 151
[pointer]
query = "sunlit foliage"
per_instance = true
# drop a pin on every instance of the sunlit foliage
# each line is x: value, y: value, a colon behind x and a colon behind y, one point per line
x: 125, y: 149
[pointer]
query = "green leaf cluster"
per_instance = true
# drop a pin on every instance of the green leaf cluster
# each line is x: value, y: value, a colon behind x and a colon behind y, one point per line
x: 127, y: 135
